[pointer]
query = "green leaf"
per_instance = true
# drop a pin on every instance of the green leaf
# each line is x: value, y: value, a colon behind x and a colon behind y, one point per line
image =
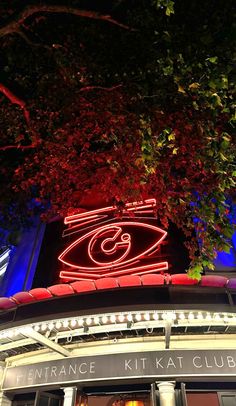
x: 195, y: 272
x: 168, y: 70
x: 226, y: 248
x: 211, y: 266
x: 195, y: 105
x: 223, y: 157
x: 228, y: 232
x: 224, y: 82
x: 224, y: 145
x: 171, y: 136
x: 213, y: 59
x: 170, y: 8
x: 216, y: 100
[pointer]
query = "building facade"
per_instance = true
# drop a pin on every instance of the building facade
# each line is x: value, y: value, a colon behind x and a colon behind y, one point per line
x: 122, y: 326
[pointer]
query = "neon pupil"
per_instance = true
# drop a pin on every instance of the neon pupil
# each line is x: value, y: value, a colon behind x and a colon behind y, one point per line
x: 112, y: 244
x: 109, y: 245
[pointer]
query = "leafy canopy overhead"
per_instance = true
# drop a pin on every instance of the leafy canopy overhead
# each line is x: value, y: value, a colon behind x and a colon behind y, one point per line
x: 120, y: 100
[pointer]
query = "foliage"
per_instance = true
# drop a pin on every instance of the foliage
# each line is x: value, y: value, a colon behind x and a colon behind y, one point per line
x: 138, y: 105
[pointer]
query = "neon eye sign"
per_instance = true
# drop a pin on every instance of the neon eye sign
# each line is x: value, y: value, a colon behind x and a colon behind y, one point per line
x: 107, y: 246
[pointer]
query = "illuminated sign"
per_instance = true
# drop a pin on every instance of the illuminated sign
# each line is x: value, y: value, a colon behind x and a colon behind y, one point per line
x: 113, y: 243
x: 150, y: 364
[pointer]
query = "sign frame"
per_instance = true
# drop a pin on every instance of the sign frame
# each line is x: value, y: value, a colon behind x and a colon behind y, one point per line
x: 154, y: 365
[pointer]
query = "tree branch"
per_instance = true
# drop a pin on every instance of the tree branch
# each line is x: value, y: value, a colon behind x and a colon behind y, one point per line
x: 20, y: 147
x: 32, y: 43
x: 21, y: 103
x: 15, y: 100
x: 107, y: 89
x: 15, y: 25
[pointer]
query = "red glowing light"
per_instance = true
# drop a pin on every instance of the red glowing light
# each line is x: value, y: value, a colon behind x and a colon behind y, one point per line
x: 115, y: 247
x: 111, y: 242
x: 98, y: 234
x: 140, y: 270
x: 135, y: 206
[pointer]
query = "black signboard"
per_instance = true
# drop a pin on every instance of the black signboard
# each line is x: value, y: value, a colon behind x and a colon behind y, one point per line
x: 49, y: 267
x: 155, y: 364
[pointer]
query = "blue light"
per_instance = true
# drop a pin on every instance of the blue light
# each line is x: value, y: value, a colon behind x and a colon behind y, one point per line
x: 227, y: 261
x: 23, y: 261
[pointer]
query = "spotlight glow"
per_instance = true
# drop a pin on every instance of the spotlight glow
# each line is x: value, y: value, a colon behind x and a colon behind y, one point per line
x: 96, y: 320
x: 155, y: 316
x: 200, y: 316
x: 88, y: 321
x: 191, y: 316
x: 104, y: 319
x: 138, y: 317
x: 113, y: 318
x: 73, y: 323
x: 129, y: 317
x: 217, y: 317
x: 121, y: 318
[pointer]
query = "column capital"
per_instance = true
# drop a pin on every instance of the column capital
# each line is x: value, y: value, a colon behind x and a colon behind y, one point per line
x: 166, y: 386
x: 69, y: 389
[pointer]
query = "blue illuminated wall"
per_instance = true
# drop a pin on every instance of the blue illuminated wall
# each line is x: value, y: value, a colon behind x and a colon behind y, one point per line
x: 23, y: 260
x: 227, y: 262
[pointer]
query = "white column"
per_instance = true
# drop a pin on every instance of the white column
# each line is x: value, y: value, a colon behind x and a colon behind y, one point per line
x: 167, y: 393
x: 5, y: 400
x: 69, y: 396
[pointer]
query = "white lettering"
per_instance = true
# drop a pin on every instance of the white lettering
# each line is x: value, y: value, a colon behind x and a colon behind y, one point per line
x: 194, y: 363
x: 180, y: 361
x: 171, y: 363
x: 222, y: 362
x: 18, y: 378
x: 31, y: 375
x: 81, y: 370
x: 158, y: 362
x: 46, y: 372
x: 62, y: 371
x: 231, y: 362
x: 207, y: 365
x: 72, y: 369
x: 143, y: 360
x: 127, y: 364
x: 92, y: 368
x: 53, y: 371
x: 38, y: 373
